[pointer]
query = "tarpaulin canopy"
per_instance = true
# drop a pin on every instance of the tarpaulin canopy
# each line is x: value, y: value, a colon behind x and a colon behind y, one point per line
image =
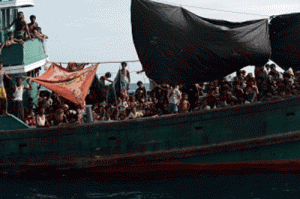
x: 177, y: 46
x: 285, y: 40
x: 73, y: 86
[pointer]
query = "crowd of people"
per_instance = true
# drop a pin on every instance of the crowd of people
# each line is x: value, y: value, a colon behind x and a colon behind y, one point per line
x: 53, y: 110
x: 23, y: 31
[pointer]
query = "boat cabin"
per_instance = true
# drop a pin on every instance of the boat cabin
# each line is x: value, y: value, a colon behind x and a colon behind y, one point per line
x: 19, y: 59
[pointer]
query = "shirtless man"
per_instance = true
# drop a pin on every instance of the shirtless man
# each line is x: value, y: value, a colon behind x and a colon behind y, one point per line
x: 11, y: 40
x: 22, y: 30
x: 3, y: 96
x: 184, y: 104
x: 32, y: 23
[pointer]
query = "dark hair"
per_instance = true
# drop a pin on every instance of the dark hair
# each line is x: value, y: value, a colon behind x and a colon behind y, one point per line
x: 108, y: 74
x: 30, y: 99
x: 32, y: 16
x: 1, y: 62
x: 17, y: 78
x: 123, y: 63
x: 139, y: 82
x: 20, y: 12
x: 10, y: 33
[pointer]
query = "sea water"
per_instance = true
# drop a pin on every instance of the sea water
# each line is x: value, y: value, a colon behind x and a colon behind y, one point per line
x: 244, y: 186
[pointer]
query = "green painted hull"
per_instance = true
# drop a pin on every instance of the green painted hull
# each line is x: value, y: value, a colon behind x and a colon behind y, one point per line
x: 252, y: 136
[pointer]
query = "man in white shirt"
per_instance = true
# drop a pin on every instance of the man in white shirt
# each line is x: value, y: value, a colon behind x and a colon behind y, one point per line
x: 174, y: 97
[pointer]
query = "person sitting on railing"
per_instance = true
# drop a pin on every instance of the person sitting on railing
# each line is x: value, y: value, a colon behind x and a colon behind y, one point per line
x: 10, y: 41
x: 37, y: 34
x: 22, y: 30
x: 33, y: 24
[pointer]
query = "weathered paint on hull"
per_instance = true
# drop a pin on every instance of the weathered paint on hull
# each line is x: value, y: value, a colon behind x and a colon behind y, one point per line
x: 233, y: 138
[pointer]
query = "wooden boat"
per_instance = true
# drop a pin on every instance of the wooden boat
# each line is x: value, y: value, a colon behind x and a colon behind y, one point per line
x: 255, y: 138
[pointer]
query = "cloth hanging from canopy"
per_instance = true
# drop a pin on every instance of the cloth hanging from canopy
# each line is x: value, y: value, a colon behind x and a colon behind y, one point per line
x: 285, y: 40
x: 177, y: 46
x: 73, y: 86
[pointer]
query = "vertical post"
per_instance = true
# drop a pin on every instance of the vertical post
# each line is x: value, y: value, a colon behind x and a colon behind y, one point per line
x: 89, y: 113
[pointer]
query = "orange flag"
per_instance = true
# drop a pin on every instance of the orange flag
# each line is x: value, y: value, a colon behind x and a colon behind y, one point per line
x: 73, y: 86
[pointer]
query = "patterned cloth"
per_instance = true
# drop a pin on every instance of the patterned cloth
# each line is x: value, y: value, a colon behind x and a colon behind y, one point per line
x: 2, y: 92
x: 73, y: 86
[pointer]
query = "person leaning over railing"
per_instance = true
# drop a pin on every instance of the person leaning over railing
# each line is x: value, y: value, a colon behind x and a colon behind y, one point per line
x: 10, y: 41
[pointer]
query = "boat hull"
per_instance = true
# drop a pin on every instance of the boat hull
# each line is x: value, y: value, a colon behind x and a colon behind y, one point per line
x: 236, y: 140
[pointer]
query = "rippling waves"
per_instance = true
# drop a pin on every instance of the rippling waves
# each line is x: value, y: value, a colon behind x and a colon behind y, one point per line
x: 246, y: 186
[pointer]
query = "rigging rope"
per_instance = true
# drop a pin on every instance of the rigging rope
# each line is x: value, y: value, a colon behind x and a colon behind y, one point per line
x: 219, y: 10
x: 106, y: 62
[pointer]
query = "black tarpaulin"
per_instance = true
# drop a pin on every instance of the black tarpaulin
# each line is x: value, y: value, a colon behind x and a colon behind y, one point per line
x: 285, y: 40
x: 177, y: 46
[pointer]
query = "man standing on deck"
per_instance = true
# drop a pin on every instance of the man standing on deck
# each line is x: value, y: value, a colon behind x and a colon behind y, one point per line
x: 22, y: 30
x: 174, y: 97
x: 18, y: 109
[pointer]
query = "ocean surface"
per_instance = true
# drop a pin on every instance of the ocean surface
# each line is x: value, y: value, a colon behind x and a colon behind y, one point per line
x: 245, y: 186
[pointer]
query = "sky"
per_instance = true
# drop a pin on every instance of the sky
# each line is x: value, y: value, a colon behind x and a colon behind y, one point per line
x: 100, y: 30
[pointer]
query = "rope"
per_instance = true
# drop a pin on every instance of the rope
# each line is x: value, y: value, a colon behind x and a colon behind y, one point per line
x: 219, y: 10
x: 106, y: 62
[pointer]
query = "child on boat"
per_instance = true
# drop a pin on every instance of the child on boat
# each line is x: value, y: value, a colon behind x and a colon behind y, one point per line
x: 37, y: 32
x: 184, y: 104
x: 41, y: 119
x: 31, y: 119
x: 10, y: 41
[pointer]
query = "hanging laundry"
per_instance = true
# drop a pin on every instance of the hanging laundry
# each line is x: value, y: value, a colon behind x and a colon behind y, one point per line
x: 73, y: 86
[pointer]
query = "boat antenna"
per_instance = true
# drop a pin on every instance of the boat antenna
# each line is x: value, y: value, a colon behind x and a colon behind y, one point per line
x: 205, y: 8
